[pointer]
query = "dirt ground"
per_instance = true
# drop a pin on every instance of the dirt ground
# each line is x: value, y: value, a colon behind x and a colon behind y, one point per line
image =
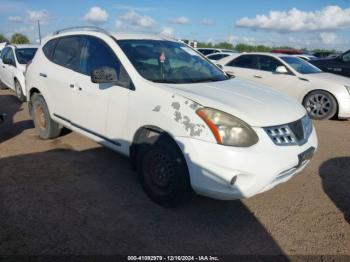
x: 71, y: 196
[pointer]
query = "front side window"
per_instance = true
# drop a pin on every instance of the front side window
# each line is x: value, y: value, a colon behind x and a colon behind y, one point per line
x: 244, y: 61
x: 300, y: 65
x: 68, y: 51
x: 169, y: 62
x: 24, y: 55
x: 346, y: 57
x: 268, y: 63
x: 96, y: 55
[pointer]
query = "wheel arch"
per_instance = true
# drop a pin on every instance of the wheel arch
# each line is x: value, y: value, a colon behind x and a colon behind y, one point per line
x: 31, y: 93
x: 138, y: 136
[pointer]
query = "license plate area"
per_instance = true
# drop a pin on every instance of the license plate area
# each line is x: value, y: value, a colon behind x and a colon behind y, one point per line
x: 305, y: 156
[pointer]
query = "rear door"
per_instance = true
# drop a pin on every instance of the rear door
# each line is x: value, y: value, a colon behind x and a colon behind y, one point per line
x: 2, y: 64
x: 244, y: 66
x: 9, y: 70
x: 59, y: 75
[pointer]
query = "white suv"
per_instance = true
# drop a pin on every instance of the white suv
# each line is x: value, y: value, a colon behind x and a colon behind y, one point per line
x: 13, y: 61
x: 184, y: 123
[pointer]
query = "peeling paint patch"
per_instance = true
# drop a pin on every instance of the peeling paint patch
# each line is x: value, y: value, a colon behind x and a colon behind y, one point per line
x: 178, y: 116
x: 176, y: 105
x: 157, y: 108
x: 189, y: 126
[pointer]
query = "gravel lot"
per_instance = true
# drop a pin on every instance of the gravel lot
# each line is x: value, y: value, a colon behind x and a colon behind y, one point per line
x: 71, y: 196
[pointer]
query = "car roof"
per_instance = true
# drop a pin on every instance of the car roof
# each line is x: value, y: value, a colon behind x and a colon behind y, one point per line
x: 268, y: 54
x: 222, y: 53
x: 23, y: 46
x: 116, y: 35
x: 141, y: 36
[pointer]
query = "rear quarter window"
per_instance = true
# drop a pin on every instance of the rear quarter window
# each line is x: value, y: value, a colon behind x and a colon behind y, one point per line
x: 49, y: 47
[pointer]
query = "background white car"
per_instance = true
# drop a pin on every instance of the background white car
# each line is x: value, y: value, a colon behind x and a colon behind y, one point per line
x: 218, y: 56
x: 208, y: 51
x: 13, y: 61
x: 324, y: 95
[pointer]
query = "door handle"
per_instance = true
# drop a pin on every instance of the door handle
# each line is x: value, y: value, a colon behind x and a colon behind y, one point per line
x: 3, y: 66
x: 257, y: 76
x: 71, y: 86
x: 43, y: 75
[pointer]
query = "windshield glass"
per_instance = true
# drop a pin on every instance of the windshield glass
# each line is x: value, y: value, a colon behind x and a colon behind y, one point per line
x: 169, y: 62
x: 24, y: 55
x: 300, y: 65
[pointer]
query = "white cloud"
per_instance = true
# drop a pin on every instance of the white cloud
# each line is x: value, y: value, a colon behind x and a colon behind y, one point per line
x: 295, y: 20
x: 135, y: 19
x: 182, y: 20
x: 42, y: 15
x: 207, y: 22
x: 167, y: 31
x: 135, y: 8
x: 328, y: 38
x: 15, y: 19
x: 96, y: 15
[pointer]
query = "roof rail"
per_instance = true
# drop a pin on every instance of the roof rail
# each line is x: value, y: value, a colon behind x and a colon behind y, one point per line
x: 84, y: 28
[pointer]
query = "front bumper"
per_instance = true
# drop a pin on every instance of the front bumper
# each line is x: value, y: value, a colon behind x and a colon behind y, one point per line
x: 344, y: 107
x: 258, y: 168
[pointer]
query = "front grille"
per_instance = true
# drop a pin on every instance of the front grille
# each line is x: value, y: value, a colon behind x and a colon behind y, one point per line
x: 295, y: 133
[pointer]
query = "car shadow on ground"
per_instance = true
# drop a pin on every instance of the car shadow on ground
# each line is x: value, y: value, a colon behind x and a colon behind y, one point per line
x: 335, y: 175
x: 90, y: 202
x: 10, y: 105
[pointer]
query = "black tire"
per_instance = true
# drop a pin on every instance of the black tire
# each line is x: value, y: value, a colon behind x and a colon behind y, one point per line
x: 45, y: 126
x: 162, y: 170
x: 320, y: 105
x: 19, y: 92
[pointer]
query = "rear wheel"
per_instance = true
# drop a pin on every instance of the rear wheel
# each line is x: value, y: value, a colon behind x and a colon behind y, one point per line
x: 320, y: 105
x: 19, y: 92
x: 45, y: 126
x: 162, y: 170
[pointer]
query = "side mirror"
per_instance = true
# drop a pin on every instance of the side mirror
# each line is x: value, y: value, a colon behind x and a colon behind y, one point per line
x: 281, y: 70
x: 6, y: 61
x: 104, y: 75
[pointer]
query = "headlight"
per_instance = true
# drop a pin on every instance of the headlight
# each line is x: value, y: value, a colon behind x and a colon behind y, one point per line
x: 227, y: 129
x: 348, y: 88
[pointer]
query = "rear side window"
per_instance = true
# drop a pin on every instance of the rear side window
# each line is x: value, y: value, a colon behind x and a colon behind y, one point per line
x: 4, y: 52
x: 68, y: 52
x: 244, y: 61
x: 97, y: 54
x: 49, y: 47
x: 217, y: 56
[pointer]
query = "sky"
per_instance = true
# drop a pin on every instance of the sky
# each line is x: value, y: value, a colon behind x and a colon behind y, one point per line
x: 302, y: 24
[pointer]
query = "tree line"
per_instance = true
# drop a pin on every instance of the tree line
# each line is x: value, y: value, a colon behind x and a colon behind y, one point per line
x: 16, y: 38
x: 249, y: 48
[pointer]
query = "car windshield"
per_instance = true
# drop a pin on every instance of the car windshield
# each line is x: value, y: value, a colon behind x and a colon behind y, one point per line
x: 300, y: 65
x: 170, y: 62
x: 24, y: 55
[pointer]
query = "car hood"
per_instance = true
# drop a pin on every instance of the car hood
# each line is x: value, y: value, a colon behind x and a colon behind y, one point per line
x: 255, y: 104
x: 331, y: 78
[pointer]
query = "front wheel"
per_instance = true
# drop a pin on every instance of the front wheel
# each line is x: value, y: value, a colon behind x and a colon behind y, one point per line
x: 163, y: 171
x: 19, y: 92
x: 320, y: 105
x: 45, y: 126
